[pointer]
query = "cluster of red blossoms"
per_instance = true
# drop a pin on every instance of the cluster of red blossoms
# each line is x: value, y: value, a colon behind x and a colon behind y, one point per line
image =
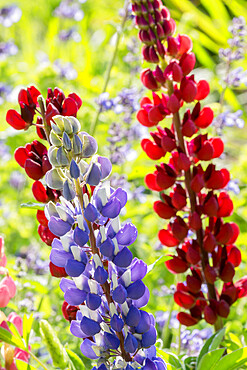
x: 196, y: 203
x: 33, y: 157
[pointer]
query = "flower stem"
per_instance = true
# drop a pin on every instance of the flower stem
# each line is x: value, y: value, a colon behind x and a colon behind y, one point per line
x: 111, y: 64
x: 37, y: 360
x: 42, y: 109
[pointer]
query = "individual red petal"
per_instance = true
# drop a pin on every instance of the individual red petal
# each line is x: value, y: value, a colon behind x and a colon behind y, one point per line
x: 195, y: 222
x: 209, y: 242
x: 189, y: 128
x: 203, y: 90
x: 163, y: 210
x: 152, y: 150
x: 39, y: 148
x: 188, y: 90
x: 39, y: 192
x: 227, y: 273
x: 225, y: 234
x: 223, y: 308
x: 210, y: 274
x: 179, y: 228
x: 150, y: 181
x: 241, y: 287
x: 176, y: 265
x: 15, y: 120
x: 206, y: 153
x: 166, y: 238
x: 46, y: 166
x: 187, y: 63
x: 34, y: 93
x: 69, y: 311
x: 234, y: 255
x: 193, y: 284
x: 185, y: 44
x: 226, y: 176
x: 173, y: 104
x: 145, y: 100
x: 225, y: 205
x: 211, y: 206
x: 168, y: 144
x: 178, y: 200
x: 23, y: 97
x: 210, y: 315
x: 235, y: 232
x: 33, y: 169
x: 77, y: 99
x: 193, y: 256
x: 216, y: 180
x: 154, y: 115
x: 41, y: 217
x: 184, y: 300
x: 148, y: 79
x: 186, y: 319
x: 142, y: 116
x: 69, y: 107
x: 21, y: 155
x: 58, y: 272
x: 218, y: 146
x: 205, y: 118
x: 46, y: 235
x: 51, y: 111
x: 197, y: 183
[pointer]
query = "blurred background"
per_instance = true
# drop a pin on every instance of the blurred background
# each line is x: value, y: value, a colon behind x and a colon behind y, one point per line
x: 91, y: 48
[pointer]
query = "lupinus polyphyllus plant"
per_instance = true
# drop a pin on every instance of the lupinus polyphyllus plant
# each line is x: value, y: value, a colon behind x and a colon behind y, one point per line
x: 104, y: 293
x: 196, y: 205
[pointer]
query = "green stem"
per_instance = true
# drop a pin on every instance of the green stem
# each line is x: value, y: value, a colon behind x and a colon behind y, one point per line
x: 111, y: 64
x: 37, y: 360
x: 42, y: 109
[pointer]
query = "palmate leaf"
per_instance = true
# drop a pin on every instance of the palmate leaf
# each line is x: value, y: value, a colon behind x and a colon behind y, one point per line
x: 9, y: 338
x: 210, y: 359
x: 232, y: 361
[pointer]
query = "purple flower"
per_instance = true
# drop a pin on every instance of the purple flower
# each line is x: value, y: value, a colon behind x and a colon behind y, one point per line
x: 65, y: 70
x: 10, y: 15
x: 70, y: 34
x: 7, y: 49
x: 69, y: 9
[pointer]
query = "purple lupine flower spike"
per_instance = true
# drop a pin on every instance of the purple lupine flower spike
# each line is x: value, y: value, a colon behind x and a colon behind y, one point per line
x: 105, y: 281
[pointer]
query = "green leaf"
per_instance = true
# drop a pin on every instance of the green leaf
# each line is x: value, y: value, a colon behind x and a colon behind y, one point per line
x: 190, y: 363
x: 9, y: 338
x: 159, y: 261
x: 209, y: 359
x: 21, y: 365
x: 27, y: 326
x: 208, y: 344
x: 232, y: 361
x: 77, y: 362
x: 170, y: 358
x: 33, y: 205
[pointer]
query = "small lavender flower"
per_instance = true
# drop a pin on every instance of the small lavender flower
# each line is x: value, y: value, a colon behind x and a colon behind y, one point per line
x: 70, y: 34
x: 65, y: 70
x: 69, y: 9
x: 233, y: 185
x: 229, y: 119
x: 10, y: 15
x: 7, y: 49
x: 4, y: 151
x: 17, y: 180
x: 5, y: 91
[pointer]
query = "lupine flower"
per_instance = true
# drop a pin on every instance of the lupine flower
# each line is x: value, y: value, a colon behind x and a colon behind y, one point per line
x: 7, y: 49
x: 69, y: 9
x: 5, y: 91
x: 205, y: 250
x: 65, y: 70
x: 17, y: 180
x: 10, y: 15
x: 70, y: 34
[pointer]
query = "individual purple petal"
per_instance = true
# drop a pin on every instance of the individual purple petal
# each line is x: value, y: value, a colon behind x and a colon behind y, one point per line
x: 74, y: 169
x: 160, y: 364
x: 127, y: 234
x: 106, y: 166
x: 56, y: 244
x: 112, y: 208
x: 123, y: 258
x: 119, y: 295
x: 117, y: 323
x: 80, y: 237
x: 75, y: 329
x: 58, y: 227
x: 68, y: 191
x: 136, y: 289
x: 89, y: 144
x: 94, y: 175
x: 138, y: 269
x: 143, y: 301
x: 130, y: 343
x: 144, y: 323
x: 133, y: 316
x: 149, y: 338
x: 87, y: 350
x: 149, y: 365
x: 121, y: 195
x: 59, y: 257
x: 66, y: 284
x: 107, y: 248
x: 75, y: 296
x: 74, y: 268
x: 91, y: 213
x: 111, y: 341
x: 93, y: 301
x: 89, y: 326
x: 100, y: 275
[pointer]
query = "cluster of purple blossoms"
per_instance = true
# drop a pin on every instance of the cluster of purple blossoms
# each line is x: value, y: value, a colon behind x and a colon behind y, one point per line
x: 7, y: 49
x: 70, y: 34
x: 70, y: 9
x: 9, y: 15
x: 92, y: 248
x: 65, y: 70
